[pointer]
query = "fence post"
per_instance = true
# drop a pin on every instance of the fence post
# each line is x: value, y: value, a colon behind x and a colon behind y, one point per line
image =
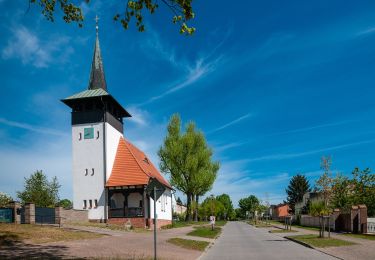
x: 29, y: 213
x: 16, y: 209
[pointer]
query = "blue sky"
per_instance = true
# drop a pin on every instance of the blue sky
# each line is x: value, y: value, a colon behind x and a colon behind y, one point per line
x: 274, y: 85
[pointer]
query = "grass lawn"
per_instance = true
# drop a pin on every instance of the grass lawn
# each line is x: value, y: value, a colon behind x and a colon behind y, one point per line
x: 178, y: 224
x: 108, y: 226
x: 315, y: 241
x: 189, y: 244
x: 282, y: 231
x: 11, y: 233
x: 364, y: 236
x: 308, y: 228
x: 205, y: 231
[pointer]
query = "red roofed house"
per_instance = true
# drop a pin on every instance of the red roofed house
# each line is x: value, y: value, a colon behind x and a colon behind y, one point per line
x: 110, y: 175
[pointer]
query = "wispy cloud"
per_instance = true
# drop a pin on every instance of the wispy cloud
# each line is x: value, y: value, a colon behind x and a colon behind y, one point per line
x: 310, y: 128
x: 235, y: 121
x: 284, y: 156
x: 201, y: 70
x: 27, y: 46
x: 367, y: 31
x: 33, y: 128
x: 139, y: 116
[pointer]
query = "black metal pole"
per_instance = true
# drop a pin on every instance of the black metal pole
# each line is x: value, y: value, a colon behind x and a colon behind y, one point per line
x: 155, y: 221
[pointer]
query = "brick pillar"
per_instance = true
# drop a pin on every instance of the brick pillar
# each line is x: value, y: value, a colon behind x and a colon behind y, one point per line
x: 29, y: 213
x: 16, y: 209
x: 353, y: 214
x: 58, y: 219
x: 362, y: 218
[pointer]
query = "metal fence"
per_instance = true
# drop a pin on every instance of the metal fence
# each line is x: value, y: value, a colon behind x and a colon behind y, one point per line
x: 6, y: 215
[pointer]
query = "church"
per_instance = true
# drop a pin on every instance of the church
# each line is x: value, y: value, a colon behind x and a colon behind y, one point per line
x: 110, y: 174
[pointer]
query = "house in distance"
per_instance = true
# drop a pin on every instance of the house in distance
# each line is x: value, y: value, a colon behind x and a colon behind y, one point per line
x: 110, y: 175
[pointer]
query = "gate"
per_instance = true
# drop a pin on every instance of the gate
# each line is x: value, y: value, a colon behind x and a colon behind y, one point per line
x: 6, y: 215
x: 44, y: 215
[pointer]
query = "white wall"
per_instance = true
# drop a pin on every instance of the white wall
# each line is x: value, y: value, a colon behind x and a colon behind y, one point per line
x: 163, y: 206
x: 111, y: 143
x: 88, y: 154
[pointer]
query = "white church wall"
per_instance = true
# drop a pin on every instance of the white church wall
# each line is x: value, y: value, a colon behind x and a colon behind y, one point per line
x: 112, y: 141
x: 88, y: 178
x: 163, y: 206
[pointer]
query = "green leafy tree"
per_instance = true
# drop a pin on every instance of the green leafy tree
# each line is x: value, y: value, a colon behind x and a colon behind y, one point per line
x: 363, y: 184
x: 320, y: 209
x: 341, y: 193
x: 211, y: 207
x: 187, y: 159
x: 228, y: 206
x: 39, y: 190
x: 250, y: 204
x: 4, y: 199
x: 182, y: 12
x: 66, y: 204
x: 297, y: 187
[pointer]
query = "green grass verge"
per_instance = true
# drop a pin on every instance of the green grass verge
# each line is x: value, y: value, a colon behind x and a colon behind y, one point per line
x: 11, y: 234
x: 282, y: 231
x: 364, y: 236
x: 315, y: 241
x: 109, y: 226
x: 189, y: 244
x: 307, y: 228
x: 205, y: 232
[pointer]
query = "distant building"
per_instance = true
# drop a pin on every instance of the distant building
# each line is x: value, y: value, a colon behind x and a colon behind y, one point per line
x: 309, y: 197
x: 279, y: 211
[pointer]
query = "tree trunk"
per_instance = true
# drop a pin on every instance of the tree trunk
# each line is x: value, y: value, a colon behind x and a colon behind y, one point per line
x: 188, y: 207
x: 196, y: 208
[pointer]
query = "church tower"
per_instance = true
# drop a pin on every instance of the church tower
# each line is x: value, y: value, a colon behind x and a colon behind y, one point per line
x: 97, y: 127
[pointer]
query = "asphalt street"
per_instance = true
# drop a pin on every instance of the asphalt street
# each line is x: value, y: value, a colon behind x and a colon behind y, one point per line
x: 239, y: 240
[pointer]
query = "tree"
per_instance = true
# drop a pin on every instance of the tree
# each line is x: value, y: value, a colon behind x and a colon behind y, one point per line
x: 324, y: 183
x: 228, y: 206
x: 363, y: 183
x: 5, y: 199
x: 182, y: 12
x: 187, y: 159
x: 249, y: 204
x: 319, y: 209
x: 297, y: 187
x: 40, y: 191
x: 211, y: 207
x: 66, y: 204
x: 341, y: 196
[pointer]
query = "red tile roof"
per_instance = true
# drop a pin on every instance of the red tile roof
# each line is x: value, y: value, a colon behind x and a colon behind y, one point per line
x: 132, y: 167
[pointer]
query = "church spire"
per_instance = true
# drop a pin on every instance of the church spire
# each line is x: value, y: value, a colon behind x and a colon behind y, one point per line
x: 97, y: 78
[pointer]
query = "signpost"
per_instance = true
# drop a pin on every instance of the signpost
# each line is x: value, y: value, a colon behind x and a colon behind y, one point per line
x: 155, y: 189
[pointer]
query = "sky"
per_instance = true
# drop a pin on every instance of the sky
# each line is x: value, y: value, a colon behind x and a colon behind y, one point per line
x: 274, y: 86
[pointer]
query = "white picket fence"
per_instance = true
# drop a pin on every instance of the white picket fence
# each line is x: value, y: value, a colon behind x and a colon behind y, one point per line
x: 371, y: 225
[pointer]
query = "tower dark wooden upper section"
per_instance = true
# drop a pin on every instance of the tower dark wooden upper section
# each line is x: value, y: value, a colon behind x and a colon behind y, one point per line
x: 95, y: 104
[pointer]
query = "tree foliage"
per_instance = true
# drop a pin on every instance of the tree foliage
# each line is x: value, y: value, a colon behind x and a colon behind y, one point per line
x: 250, y: 204
x: 187, y: 159
x: 39, y: 190
x: 211, y: 207
x: 66, y: 204
x: 4, y: 199
x: 324, y: 183
x: 228, y: 212
x: 297, y: 187
x: 182, y: 12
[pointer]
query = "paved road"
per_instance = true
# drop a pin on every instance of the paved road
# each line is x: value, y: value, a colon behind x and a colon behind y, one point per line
x: 242, y: 241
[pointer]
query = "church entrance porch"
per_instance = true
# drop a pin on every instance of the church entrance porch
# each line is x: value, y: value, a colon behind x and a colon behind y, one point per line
x: 128, y: 203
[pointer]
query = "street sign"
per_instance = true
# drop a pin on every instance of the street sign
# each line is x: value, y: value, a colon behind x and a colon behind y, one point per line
x: 159, y: 188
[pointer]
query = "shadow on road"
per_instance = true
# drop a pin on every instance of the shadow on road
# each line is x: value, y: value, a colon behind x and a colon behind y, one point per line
x: 19, y: 250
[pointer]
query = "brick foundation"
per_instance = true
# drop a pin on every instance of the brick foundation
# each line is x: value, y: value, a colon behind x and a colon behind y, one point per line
x: 160, y: 223
x: 135, y: 222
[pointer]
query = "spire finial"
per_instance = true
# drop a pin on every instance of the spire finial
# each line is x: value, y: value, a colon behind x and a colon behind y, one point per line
x: 97, y: 20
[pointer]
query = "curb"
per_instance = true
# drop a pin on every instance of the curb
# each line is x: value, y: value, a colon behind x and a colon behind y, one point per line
x: 311, y: 247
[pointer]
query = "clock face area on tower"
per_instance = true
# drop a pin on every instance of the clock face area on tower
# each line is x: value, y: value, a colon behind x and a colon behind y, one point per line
x: 88, y: 133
